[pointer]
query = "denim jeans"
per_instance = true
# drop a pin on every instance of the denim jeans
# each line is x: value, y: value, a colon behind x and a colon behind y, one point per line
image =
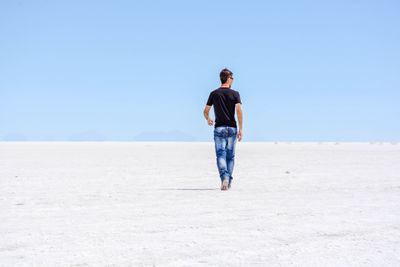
x: 225, y: 142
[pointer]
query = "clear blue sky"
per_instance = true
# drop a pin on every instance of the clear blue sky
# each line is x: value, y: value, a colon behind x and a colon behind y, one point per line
x: 143, y: 70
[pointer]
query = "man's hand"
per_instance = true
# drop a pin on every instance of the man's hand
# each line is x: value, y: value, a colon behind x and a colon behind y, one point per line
x: 210, y: 121
x: 240, y: 134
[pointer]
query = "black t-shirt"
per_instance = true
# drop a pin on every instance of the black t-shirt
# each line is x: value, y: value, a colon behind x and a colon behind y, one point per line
x: 224, y: 100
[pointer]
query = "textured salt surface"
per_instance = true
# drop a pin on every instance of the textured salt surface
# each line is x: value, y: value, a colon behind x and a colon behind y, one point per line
x: 159, y: 204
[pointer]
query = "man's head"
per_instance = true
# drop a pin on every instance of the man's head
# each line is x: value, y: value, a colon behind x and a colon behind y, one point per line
x: 226, y: 77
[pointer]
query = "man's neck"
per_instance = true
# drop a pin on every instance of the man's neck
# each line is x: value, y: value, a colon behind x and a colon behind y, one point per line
x: 225, y: 85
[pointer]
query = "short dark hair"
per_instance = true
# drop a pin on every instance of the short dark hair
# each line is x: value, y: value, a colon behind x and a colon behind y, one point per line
x: 224, y: 75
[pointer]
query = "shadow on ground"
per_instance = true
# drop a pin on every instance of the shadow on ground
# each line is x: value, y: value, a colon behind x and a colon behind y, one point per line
x: 196, y: 189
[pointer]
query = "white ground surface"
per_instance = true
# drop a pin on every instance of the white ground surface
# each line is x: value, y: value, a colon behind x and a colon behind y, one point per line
x: 159, y: 204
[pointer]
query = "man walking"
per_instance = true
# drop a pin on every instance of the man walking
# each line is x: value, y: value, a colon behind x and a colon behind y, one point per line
x: 225, y: 100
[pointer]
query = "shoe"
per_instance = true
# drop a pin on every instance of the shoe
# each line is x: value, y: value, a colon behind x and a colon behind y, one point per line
x: 224, y: 184
x: 229, y: 186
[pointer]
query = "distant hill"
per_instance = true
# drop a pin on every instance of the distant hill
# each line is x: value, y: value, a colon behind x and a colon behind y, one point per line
x: 173, y: 135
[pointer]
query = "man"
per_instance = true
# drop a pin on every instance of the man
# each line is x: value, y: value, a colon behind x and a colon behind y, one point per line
x: 225, y: 100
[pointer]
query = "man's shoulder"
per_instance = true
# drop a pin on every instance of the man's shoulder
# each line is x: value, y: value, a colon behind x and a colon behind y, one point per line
x: 235, y: 91
x: 215, y: 90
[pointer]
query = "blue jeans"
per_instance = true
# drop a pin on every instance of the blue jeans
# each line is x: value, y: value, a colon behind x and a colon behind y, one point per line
x: 225, y: 142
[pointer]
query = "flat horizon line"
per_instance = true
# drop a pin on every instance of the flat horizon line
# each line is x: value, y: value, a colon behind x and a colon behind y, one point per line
x: 272, y: 142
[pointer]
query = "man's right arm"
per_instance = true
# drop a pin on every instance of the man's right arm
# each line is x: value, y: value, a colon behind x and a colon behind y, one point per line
x: 239, y: 115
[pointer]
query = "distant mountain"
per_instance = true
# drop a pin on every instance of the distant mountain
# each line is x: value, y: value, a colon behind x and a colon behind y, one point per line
x: 92, y: 135
x: 14, y: 137
x: 173, y: 135
x: 89, y: 135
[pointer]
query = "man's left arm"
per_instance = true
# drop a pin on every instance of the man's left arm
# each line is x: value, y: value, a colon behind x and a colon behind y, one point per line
x: 206, y: 113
